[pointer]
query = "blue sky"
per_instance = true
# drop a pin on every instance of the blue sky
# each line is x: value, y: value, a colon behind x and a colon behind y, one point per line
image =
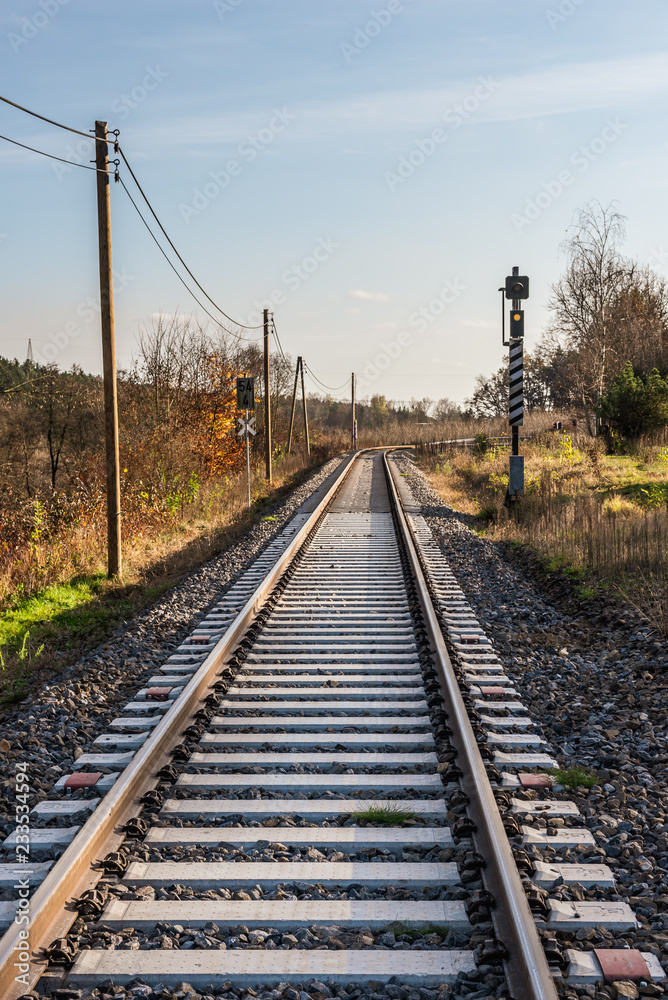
x: 377, y: 168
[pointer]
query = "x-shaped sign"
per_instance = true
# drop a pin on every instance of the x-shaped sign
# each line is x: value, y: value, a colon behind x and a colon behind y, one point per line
x: 246, y: 425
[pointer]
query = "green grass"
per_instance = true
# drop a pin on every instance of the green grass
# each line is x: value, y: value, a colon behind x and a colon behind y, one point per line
x: 71, y: 608
x: 387, y: 813
x: 269, y: 517
x: 44, y: 632
x: 648, y: 494
x: 15, y: 689
x: 415, y: 932
x: 573, y: 777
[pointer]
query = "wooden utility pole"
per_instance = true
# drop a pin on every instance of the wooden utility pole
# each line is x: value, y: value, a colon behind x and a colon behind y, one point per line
x: 353, y: 425
x: 114, y: 565
x: 294, y: 404
x: 308, y: 443
x: 267, y: 400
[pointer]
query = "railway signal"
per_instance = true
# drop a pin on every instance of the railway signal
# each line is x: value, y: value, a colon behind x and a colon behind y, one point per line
x: 516, y: 288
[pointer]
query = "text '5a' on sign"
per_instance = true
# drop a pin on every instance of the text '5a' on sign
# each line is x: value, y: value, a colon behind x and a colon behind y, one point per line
x: 246, y: 393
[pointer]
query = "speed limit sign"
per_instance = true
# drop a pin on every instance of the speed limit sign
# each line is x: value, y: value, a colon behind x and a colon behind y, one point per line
x: 246, y: 393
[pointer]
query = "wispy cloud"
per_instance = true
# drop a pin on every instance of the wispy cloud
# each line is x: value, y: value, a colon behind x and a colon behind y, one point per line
x: 359, y: 293
x: 562, y: 89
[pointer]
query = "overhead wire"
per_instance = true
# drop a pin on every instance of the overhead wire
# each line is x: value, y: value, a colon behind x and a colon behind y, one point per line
x: 244, y: 326
x: 181, y: 279
x: 84, y: 166
x: 330, y: 388
x: 86, y: 135
x: 276, y: 337
x: 331, y: 395
x: 117, y: 147
x: 320, y: 388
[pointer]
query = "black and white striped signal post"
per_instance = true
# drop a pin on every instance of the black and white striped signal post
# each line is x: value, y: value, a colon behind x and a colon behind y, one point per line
x: 516, y: 288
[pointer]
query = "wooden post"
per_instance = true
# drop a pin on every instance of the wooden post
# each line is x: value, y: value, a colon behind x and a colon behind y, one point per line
x: 308, y: 443
x: 353, y: 425
x: 267, y: 400
x: 114, y: 565
x: 294, y: 404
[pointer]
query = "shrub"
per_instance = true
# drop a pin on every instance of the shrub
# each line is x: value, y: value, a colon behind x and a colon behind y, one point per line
x: 636, y: 404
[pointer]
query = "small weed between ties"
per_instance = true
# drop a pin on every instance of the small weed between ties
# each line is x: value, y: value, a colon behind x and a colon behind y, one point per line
x: 388, y: 813
x: 416, y: 932
x: 574, y: 777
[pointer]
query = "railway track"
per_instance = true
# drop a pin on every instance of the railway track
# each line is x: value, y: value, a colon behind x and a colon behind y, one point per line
x: 331, y: 782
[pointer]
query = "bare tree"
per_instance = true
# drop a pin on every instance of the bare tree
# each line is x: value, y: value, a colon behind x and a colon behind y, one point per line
x: 171, y: 352
x: 490, y: 395
x: 585, y: 299
x: 640, y: 321
x: 445, y: 409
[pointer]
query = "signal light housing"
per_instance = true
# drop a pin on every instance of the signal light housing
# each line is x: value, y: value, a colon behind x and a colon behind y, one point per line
x: 517, y: 324
x: 517, y: 286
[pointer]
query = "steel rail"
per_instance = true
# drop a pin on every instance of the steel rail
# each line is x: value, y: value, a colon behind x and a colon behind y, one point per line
x: 49, y: 915
x: 527, y: 969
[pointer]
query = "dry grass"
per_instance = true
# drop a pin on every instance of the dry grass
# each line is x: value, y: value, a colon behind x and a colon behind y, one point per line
x: 46, y: 629
x: 174, y: 543
x: 601, y: 518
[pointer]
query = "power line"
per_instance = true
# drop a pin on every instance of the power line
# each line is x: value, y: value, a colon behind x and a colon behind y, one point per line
x: 330, y: 388
x: 245, y: 326
x: 385, y: 374
x: 278, y: 344
x: 276, y: 337
x: 86, y: 135
x: 67, y: 128
x: 320, y: 388
x: 189, y: 290
x: 41, y: 152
